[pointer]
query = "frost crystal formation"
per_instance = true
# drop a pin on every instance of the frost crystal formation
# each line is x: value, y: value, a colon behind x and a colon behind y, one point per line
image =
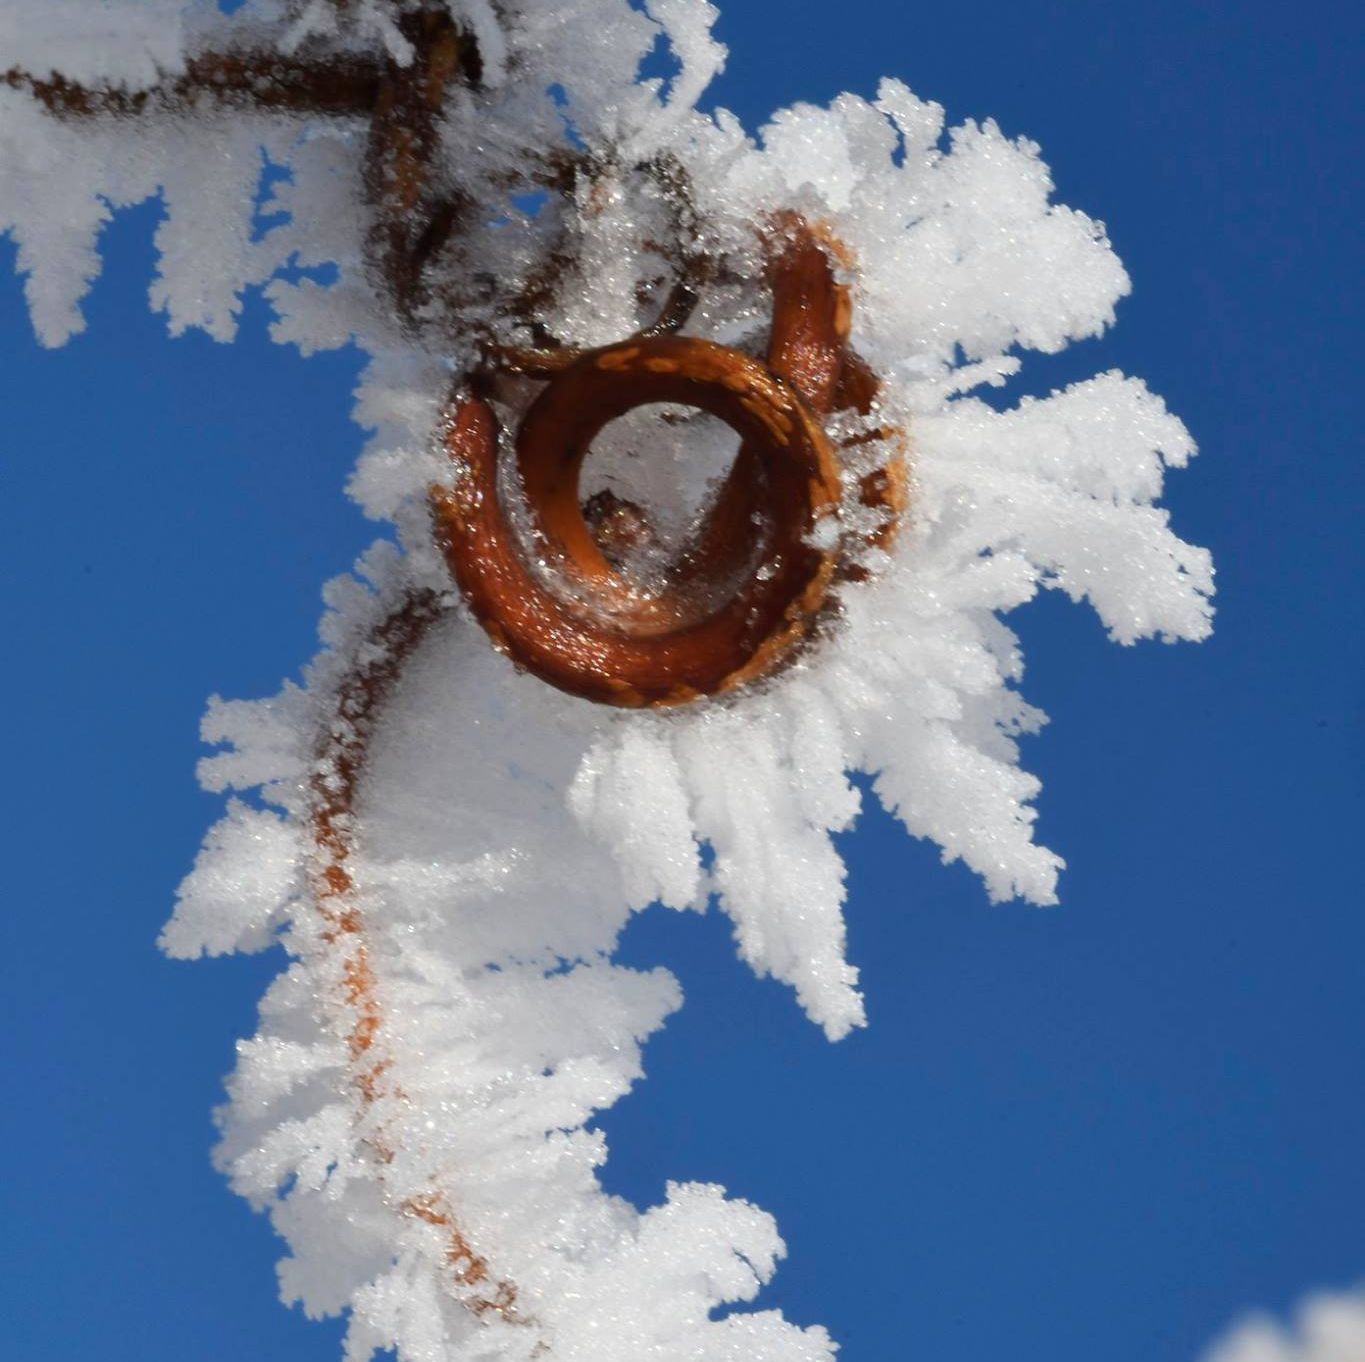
x: 1329, y: 1327
x: 446, y: 849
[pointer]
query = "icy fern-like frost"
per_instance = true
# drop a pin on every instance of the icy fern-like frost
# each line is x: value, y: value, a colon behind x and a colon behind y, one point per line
x: 446, y: 848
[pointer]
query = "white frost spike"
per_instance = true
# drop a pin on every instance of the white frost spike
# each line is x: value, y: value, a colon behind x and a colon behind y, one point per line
x: 244, y: 879
x: 686, y: 26
x: 631, y: 794
x: 448, y: 851
x: 776, y: 872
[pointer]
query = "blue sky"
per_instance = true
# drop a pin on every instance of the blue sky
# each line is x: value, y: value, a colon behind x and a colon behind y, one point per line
x: 1096, y: 1131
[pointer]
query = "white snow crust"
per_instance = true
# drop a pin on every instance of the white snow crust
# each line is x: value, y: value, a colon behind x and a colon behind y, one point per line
x: 505, y: 832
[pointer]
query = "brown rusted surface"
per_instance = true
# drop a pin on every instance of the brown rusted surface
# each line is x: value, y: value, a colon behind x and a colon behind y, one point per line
x: 417, y: 214
x: 577, y: 622
x: 333, y: 790
x: 750, y: 585
x: 819, y: 361
x: 886, y: 489
x: 268, y: 82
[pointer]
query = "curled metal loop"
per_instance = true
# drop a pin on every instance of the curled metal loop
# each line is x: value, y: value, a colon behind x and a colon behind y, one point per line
x: 757, y: 574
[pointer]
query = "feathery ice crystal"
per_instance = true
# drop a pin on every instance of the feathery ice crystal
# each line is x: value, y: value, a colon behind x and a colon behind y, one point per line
x: 448, y: 849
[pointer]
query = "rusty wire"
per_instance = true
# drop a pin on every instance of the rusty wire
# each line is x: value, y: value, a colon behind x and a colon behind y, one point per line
x: 733, y: 611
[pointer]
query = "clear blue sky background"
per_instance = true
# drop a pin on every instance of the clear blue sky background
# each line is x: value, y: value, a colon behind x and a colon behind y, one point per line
x: 1094, y: 1132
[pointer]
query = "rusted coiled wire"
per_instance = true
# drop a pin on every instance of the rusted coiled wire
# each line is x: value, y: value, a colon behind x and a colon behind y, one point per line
x: 731, y: 610
x: 740, y: 599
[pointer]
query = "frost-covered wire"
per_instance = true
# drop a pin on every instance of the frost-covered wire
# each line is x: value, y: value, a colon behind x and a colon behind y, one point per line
x: 446, y: 848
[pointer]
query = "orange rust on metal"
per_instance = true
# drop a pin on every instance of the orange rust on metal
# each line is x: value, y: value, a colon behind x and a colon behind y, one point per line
x: 749, y: 587
x: 332, y: 797
x: 583, y: 626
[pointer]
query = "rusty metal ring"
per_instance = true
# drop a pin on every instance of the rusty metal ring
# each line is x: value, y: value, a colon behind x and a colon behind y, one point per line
x: 578, y: 623
x: 757, y: 573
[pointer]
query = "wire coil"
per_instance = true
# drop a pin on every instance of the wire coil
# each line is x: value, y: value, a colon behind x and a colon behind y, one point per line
x: 731, y: 609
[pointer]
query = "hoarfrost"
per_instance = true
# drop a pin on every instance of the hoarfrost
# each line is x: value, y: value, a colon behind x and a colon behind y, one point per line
x: 1328, y: 1327
x: 414, y: 1110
